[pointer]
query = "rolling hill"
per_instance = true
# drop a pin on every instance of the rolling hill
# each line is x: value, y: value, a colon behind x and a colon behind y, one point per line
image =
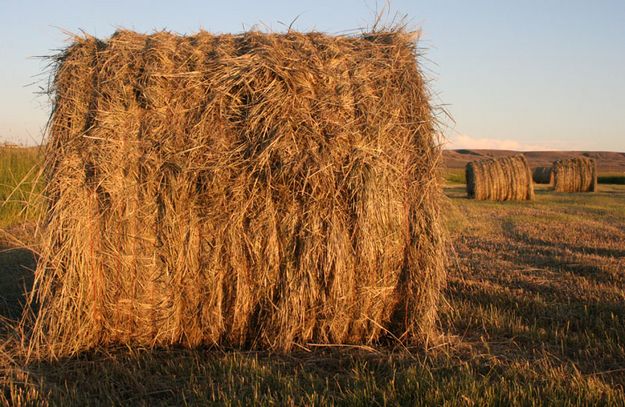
x: 606, y: 161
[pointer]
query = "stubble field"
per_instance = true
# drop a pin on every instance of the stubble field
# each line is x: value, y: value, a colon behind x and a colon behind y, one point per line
x: 534, y: 313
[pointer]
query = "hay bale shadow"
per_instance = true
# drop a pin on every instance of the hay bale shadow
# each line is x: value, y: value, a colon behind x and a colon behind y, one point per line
x: 169, y: 376
x: 17, y: 265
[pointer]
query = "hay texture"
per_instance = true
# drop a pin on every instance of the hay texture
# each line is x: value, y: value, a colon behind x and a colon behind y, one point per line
x: 542, y: 175
x: 500, y: 179
x: 577, y: 174
x: 250, y: 191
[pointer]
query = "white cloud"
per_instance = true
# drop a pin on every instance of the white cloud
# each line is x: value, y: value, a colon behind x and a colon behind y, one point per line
x: 468, y: 142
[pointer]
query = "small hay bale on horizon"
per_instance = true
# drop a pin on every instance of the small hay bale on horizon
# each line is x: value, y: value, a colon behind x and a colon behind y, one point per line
x: 250, y: 191
x: 542, y: 175
x: 500, y: 179
x: 578, y: 174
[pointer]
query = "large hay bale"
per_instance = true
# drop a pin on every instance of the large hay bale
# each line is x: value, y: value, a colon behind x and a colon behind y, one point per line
x: 542, y: 175
x: 500, y: 179
x: 253, y: 190
x: 577, y: 174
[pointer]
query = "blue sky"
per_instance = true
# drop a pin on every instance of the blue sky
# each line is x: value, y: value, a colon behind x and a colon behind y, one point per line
x: 532, y: 74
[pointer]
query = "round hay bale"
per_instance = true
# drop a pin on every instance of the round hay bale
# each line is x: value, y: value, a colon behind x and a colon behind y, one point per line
x: 254, y: 190
x: 577, y: 174
x: 542, y: 175
x: 500, y: 179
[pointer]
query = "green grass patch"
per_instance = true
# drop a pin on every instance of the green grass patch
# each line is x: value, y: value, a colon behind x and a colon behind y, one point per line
x: 19, y: 168
x: 455, y: 176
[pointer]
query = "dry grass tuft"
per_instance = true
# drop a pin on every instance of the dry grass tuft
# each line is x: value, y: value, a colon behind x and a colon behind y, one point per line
x: 500, y: 179
x: 542, y: 175
x: 254, y: 191
x: 577, y: 174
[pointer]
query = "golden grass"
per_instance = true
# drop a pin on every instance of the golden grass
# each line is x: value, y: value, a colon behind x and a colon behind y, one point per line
x: 253, y: 190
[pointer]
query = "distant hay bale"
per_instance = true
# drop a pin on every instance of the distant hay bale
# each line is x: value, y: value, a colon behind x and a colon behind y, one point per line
x: 500, y: 179
x: 542, y: 175
x: 577, y: 174
x: 253, y: 190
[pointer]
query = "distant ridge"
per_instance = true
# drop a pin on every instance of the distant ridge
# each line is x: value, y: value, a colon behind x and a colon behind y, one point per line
x: 607, y: 161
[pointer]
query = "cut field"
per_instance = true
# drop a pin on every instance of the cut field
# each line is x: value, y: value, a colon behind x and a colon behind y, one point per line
x: 534, y: 313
